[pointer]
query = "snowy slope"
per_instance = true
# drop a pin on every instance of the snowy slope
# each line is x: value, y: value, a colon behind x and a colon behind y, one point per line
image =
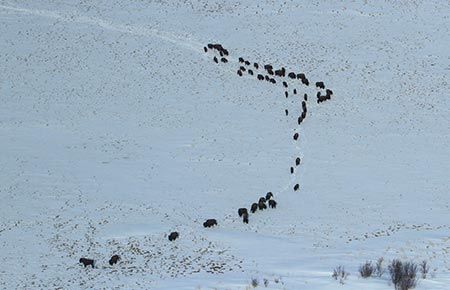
x: 116, y: 128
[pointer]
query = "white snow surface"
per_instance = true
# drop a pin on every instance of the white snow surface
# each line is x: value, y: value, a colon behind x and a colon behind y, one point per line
x: 116, y: 128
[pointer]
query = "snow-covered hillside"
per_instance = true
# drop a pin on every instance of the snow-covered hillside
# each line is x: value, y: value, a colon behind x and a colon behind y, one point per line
x: 116, y: 128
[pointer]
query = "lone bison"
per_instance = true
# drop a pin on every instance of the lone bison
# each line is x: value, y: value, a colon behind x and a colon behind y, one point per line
x: 114, y: 259
x: 87, y: 262
x: 209, y: 223
x: 173, y: 236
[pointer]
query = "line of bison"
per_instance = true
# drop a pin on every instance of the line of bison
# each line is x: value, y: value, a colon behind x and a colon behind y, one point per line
x: 268, y: 73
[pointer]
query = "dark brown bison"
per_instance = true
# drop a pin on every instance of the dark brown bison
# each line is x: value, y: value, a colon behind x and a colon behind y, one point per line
x: 286, y: 94
x: 242, y: 210
x: 269, y: 195
x: 261, y: 205
x: 209, y: 223
x: 304, y: 105
x: 239, y: 72
x: 256, y: 65
x: 225, y: 52
x: 173, y: 236
x: 224, y: 60
x: 329, y: 92
x: 210, y: 45
x: 221, y: 53
x: 296, y: 187
x: 254, y: 207
x: 250, y: 72
x: 242, y: 68
x: 286, y: 111
x: 268, y: 67
x: 305, y: 97
x: 247, y: 62
x: 270, y: 72
x: 216, y: 60
x: 87, y: 262
x: 292, y: 170
x: 241, y: 60
x: 299, y: 120
x: 245, y: 218
x: 320, y: 85
x: 291, y: 75
x: 305, y: 82
x: 267, y: 78
x: 205, y: 49
x: 301, y: 76
x: 260, y: 77
x: 303, y: 115
x: 273, y: 81
x: 272, y: 203
x: 295, y: 91
x: 114, y: 259
x: 295, y: 136
x: 297, y: 161
x: 285, y: 84
x: 218, y: 47
x: 262, y: 199
x: 280, y: 72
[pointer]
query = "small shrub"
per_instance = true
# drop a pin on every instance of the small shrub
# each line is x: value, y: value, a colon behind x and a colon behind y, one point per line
x: 403, y: 275
x: 340, y: 274
x: 379, y: 269
x: 366, y: 270
x: 424, y: 268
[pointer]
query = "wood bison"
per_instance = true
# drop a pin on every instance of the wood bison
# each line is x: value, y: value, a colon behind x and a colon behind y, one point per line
x: 239, y: 72
x: 273, y: 81
x: 286, y: 111
x: 216, y: 60
x: 114, y: 259
x: 254, y: 207
x: 296, y: 187
x: 241, y: 60
x: 305, y: 97
x: 87, y: 262
x: 256, y: 65
x: 291, y: 75
x: 295, y: 136
x: 286, y: 94
x: 268, y: 67
x: 242, y: 210
x: 261, y: 205
x: 262, y: 199
x: 250, y: 72
x: 209, y: 223
x: 247, y: 62
x: 269, y: 195
x: 301, y: 76
x: 205, y: 49
x: 285, y: 84
x: 292, y: 170
x: 297, y: 161
x: 173, y: 236
x: 242, y: 68
x: 305, y: 82
x: 295, y: 91
x: 272, y: 203
x: 224, y: 60
x: 260, y: 77
x: 245, y: 218
x: 320, y: 85
x: 280, y: 72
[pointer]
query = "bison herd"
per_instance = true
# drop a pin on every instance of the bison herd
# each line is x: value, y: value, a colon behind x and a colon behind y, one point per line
x: 265, y: 72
